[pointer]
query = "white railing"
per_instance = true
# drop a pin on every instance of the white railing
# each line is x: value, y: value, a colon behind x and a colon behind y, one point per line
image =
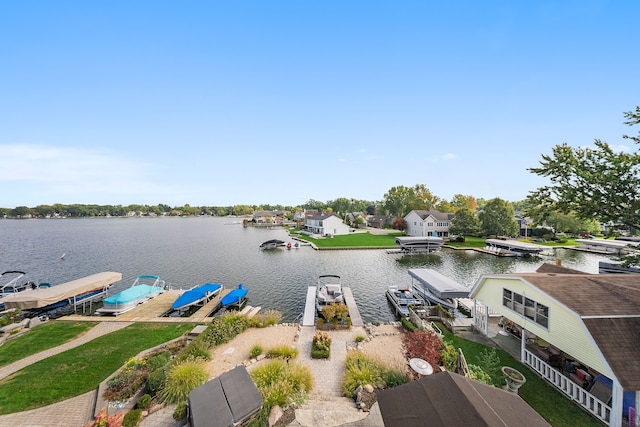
x: 589, y: 402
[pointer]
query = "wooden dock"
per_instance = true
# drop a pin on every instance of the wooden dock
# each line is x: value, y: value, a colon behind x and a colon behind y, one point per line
x: 155, y: 310
x: 354, y: 313
x: 309, y: 317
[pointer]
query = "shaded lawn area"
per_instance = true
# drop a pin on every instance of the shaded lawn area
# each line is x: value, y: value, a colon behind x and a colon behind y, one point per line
x: 353, y: 240
x: 81, y: 369
x: 544, y: 398
x: 40, y: 338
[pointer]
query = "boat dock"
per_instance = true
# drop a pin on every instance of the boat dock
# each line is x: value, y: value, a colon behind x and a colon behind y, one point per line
x: 309, y: 316
x: 156, y: 310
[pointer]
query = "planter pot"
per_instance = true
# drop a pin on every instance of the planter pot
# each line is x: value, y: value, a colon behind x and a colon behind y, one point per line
x: 513, y: 378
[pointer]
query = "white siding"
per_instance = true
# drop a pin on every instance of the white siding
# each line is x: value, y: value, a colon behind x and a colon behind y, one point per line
x: 566, y: 330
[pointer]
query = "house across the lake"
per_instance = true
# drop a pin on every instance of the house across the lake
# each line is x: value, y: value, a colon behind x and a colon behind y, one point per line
x: 421, y: 223
x: 326, y: 225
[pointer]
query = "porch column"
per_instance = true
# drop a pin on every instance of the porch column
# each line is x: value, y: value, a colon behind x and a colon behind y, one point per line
x: 523, y: 344
x: 637, y: 408
x: 615, y: 419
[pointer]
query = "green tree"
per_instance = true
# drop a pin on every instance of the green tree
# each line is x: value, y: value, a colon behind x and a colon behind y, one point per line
x: 596, y: 183
x: 497, y: 218
x: 20, y: 211
x: 423, y: 198
x: 397, y: 200
x: 465, y: 223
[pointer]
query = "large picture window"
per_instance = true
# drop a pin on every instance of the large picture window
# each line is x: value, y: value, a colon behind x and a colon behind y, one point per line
x: 532, y: 310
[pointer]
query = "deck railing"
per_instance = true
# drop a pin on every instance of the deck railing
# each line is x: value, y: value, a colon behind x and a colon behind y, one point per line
x: 589, y: 402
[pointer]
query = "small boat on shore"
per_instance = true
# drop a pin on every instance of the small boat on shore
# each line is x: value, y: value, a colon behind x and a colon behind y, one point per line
x: 404, y: 298
x: 328, y: 291
x: 271, y: 244
x: 198, y: 295
x: 236, y: 298
x: 142, y: 290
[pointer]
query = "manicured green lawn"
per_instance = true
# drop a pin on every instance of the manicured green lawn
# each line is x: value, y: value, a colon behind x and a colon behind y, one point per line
x: 544, y: 398
x: 470, y: 242
x: 353, y: 240
x: 81, y: 369
x: 41, y: 337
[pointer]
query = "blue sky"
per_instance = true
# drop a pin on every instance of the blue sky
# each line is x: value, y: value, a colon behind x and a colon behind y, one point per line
x: 250, y: 102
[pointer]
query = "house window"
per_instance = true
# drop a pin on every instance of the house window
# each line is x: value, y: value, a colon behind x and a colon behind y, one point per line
x: 530, y: 309
x: 429, y: 224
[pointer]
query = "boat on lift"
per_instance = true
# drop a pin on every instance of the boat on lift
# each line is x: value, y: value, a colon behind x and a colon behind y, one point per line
x: 236, y: 298
x: 143, y: 289
x: 198, y: 295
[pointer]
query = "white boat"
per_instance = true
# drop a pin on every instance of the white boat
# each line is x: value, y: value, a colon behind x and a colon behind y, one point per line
x: 437, y: 288
x: 328, y: 291
x: 14, y: 285
x: 404, y: 298
x: 142, y: 290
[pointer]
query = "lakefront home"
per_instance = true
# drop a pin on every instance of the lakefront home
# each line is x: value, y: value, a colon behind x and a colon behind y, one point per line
x: 579, y: 331
x: 422, y: 223
x: 326, y: 225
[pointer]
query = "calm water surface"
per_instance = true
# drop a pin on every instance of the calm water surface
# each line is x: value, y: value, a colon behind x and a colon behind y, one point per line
x: 190, y: 251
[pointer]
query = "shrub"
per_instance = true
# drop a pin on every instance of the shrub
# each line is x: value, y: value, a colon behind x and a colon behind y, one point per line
x: 280, y: 383
x: 104, y: 420
x: 180, y: 411
x: 360, y: 370
x: 158, y: 360
x: 449, y: 356
x: 477, y: 373
x: 425, y: 345
x: 124, y: 385
x: 283, y: 352
x: 319, y: 322
x: 144, y: 402
x: 360, y: 338
x: 256, y: 351
x: 489, y: 362
x: 181, y: 379
x: 406, y: 323
x: 393, y: 378
x: 155, y: 380
x: 132, y: 418
x: 223, y: 328
x: 321, y: 345
x: 335, y: 312
x: 266, y: 318
x: 196, y: 349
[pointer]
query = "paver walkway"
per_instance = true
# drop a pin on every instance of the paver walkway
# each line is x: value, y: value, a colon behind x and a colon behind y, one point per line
x: 69, y: 413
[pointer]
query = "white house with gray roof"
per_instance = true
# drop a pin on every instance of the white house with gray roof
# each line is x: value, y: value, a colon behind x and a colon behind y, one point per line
x: 422, y: 223
x: 326, y: 225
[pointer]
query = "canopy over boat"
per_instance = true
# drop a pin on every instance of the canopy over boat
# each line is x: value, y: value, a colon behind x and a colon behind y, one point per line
x: 438, y: 284
x: 43, y: 297
x: 195, y: 295
x: 234, y: 297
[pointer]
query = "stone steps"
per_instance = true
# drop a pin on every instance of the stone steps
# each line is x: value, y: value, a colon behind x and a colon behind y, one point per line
x: 327, y: 410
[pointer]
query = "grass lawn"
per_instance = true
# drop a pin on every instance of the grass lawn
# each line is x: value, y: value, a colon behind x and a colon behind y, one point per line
x: 353, y: 240
x: 480, y: 242
x: 41, y: 337
x: 544, y: 398
x: 81, y: 369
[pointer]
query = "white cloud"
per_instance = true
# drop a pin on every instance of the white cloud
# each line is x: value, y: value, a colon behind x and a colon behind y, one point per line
x: 69, y: 171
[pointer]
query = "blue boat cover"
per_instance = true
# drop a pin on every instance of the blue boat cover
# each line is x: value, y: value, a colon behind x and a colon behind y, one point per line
x: 234, y: 296
x: 194, y: 295
x: 131, y: 294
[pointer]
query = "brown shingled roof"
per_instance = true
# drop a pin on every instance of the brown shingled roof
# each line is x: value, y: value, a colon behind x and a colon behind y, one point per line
x: 609, y: 305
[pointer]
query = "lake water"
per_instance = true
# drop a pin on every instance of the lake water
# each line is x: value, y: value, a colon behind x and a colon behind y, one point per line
x: 190, y: 251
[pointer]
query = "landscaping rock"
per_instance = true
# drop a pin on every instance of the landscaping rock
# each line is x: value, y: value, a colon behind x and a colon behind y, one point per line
x: 275, y: 414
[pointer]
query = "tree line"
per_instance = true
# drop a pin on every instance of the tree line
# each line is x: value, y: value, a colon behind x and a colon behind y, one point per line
x: 588, y: 186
